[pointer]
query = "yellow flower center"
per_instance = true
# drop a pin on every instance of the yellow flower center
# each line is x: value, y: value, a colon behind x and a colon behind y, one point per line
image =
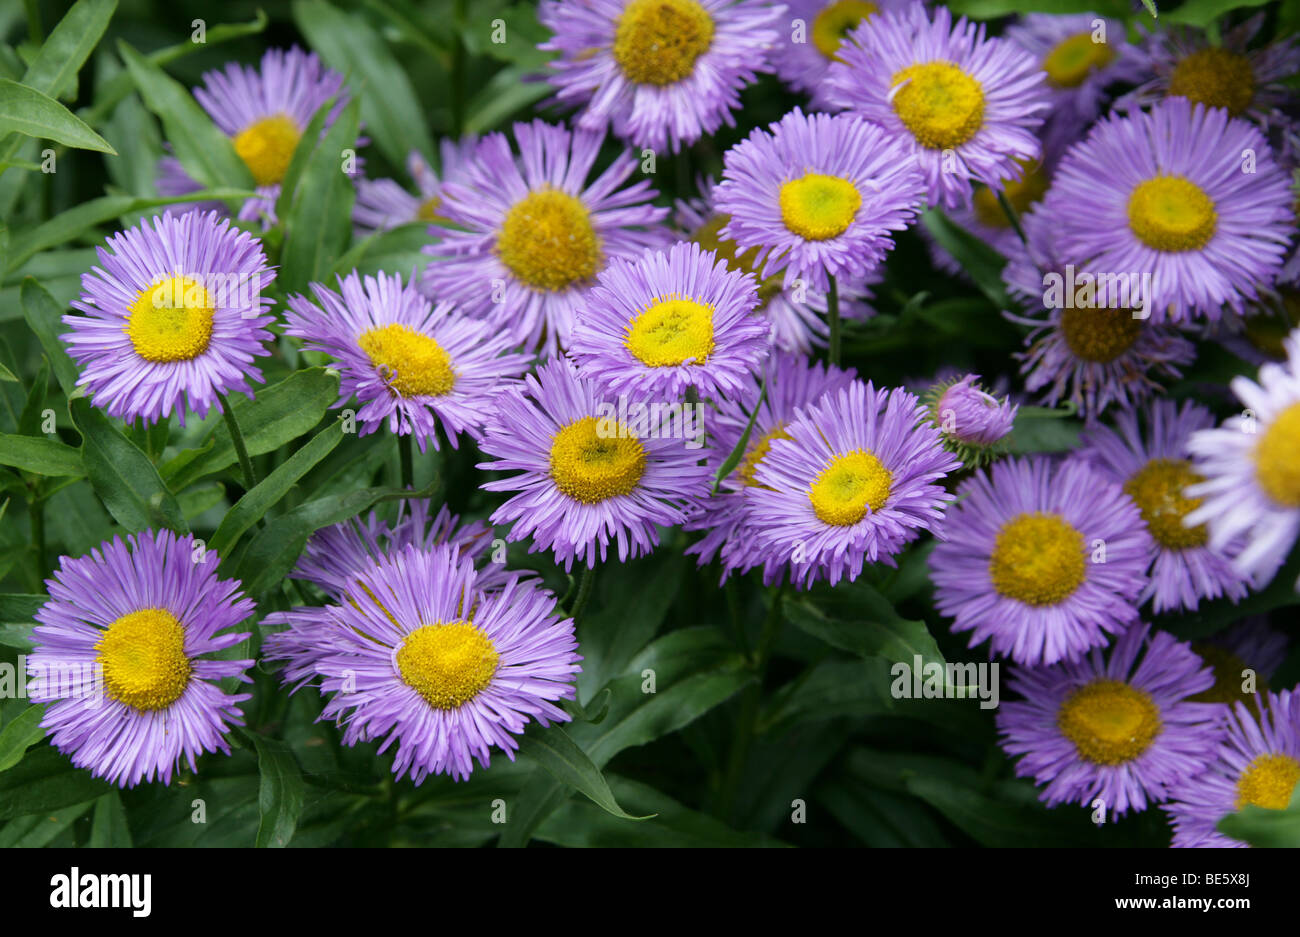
x: 428, y: 210
x: 818, y: 207
x: 143, y: 659
x: 1157, y: 489
x: 447, y: 664
x: 1100, y: 334
x: 657, y: 42
x: 1277, y: 465
x: 1172, y: 214
x: 1038, y: 559
x: 548, y: 242
x: 1215, y: 77
x: 171, y: 320
x: 848, y: 486
x: 670, y: 332
x: 1069, y: 63
x: 413, y: 364
x: 592, y: 468
x: 1109, y: 722
x: 267, y: 146
x: 1268, y: 782
x: 744, y: 262
x: 1022, y: 193
x: 835, y: 21
x: 756, y: 453
x: 1227, y: 668
x: 939, y: 103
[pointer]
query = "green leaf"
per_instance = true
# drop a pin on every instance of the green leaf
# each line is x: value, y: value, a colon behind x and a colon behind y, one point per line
x: 45, y: 781
x: 54, y: 70
x: 108, y: 827
x: 280, y: 792
x: 123, y: 477
x: 19, y: 735
x: 991, y: 9
x: 17, y: 619
x: 249, y: 509
x: 982, y: 263
x: 1201, y: 13
x: 1260, y: 826
x: 506, y: 94
x: 738, y: 451
x: 40, y: 456
x: 33, y: 832
x: 1043, y: 429
x: 569, y: 764
x: 29, y: 421
x: 26, y: 111
x: 7, y: 375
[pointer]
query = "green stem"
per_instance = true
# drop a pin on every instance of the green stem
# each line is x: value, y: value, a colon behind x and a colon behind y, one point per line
x: 458, y: 71
x: 1011, y: 216
x: 37, y: 509
x: 585, y: 586
x: 833, y: 316
x: 404, y: 456
x: 237, y: 439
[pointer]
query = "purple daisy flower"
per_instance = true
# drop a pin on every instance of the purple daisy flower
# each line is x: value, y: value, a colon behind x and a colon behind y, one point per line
x: 421, y: 656
x: 383, y: 204
x: 852, y: 481
x: 971, y: 420
x: 1257, y: 763
x: 662, y: 72
x: 1169, y: 194
x: 1120, y: 729
x: 174, y: 316
x: 818, y: 196
x: 1252, y: 476
x: 1154, y: 471
x: 535, y: 233
x: 965, y: 107
x: 121, y: 657
x: 410, y: 363
x: 591, y: 469
x: 1243, y: 658
x: 1043, y: 561
x: 670, y: 320
x: 793, y: 383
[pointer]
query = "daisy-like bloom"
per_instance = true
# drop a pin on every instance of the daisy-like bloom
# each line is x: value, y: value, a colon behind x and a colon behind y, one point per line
x: 852, y: 480
x: 122, y: 657
x: 421, y: 656
x: 987, y: 220
x: 817, y: 195
x: 668, y: 321
x: 1043, y: 561
x: 971, y: 420
x: 663, y: 72
x: 1257, y: 763
x: 591, y: 468
x: 1089, y: 355
x: 410, y: 363
x: 1154, y: 471
x: 1243, y: 658
x: 1252, y: 475
x: 1082, y: 55
x: 1167, y: 192
x: 264, y: 112
x: 535, y: 234
x: 1119, y: 727
x: 793, y: 382
x: 963, y: 107
x: 383, y: 204
x: 174, y: 316
x: 802, y: 58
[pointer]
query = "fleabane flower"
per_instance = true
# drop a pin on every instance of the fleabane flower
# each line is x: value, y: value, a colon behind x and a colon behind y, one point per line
x: 592, y: 469
x: 383, y: 204
x: 1043, y: 561
x: 1244, y: 658
x: 532, y: 234
x: 173, y: 317
x: 411, y: 364
x: 971, y: 420
x: 963, y: 106
x: 1119, y: 728
x: 663, y: 73
x: 670, y: 320
x: 123, y: 657
x: 818, y: 195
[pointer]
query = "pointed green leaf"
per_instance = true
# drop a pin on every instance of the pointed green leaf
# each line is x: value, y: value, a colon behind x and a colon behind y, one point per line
x: 280, y: 792
x: 40, y: 456
x: 26, y: 111
x: 19, y: 735
x: 569, y: 764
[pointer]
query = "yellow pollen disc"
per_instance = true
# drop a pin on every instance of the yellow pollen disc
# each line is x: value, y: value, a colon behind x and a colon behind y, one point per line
x: 837, y: 20
x: 1227, y: 668
x: 940, y: 104
x: 428, y: 210
x: 1037, y: 559
x: 1215, y: 77
x: 1109, y: 722
x: 657, y: 42
x: 743, y: 262
x: 171, y: 320
x: 1100, y: 334
x: 267, y: 146
x: 757, y: 452
x: 818, y: 207
x: 1277, y: 466
x: 848, y: 486
x: 1268, y: 782
x: 670, y: 332
x: 447, y: 664
x: 1157, y: 490
x: 548, y: 242
x: 413, y: 364
x: 1022, y: 193
x: 1172, y: 214
x: 143, y: 659
x: 1070, y: 62
x: 590, y: 468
